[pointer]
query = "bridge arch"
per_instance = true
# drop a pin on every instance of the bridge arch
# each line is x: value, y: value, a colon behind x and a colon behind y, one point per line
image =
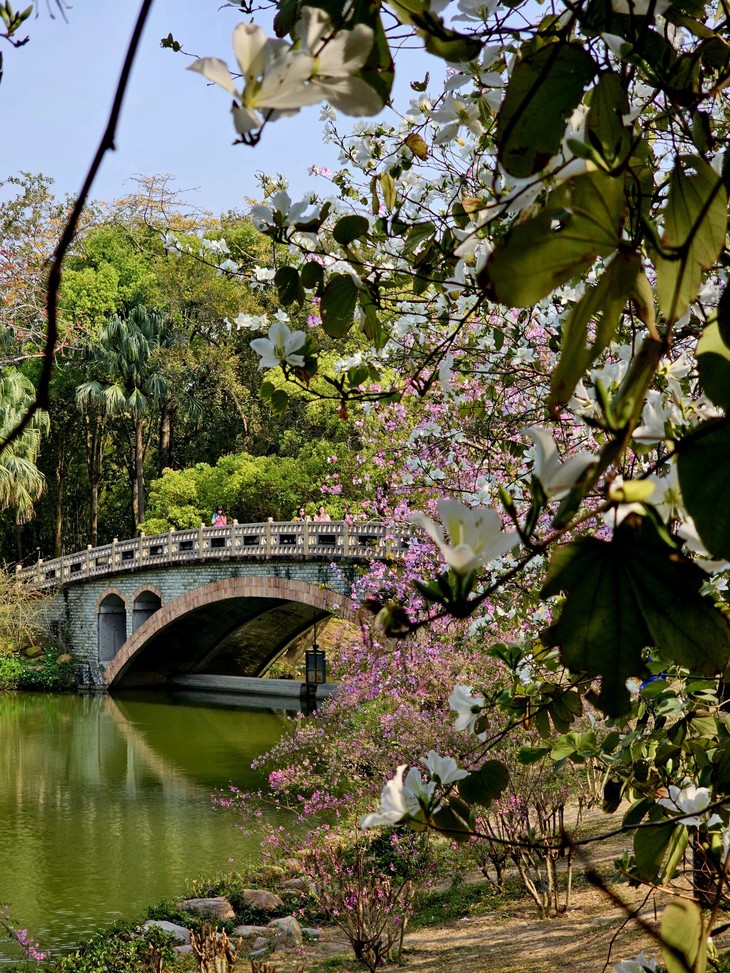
x: 145, y: 602
x: 111, y: 613
x: 233, y: 626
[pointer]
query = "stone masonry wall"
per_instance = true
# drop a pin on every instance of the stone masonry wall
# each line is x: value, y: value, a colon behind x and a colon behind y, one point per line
x: 74, y: 609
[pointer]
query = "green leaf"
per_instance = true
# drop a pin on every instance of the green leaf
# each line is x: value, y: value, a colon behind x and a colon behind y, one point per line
x: 695, y: 223
x: 416, y: 236
x: 531, y: 755
x: 350, y: 228
x: 610, y: 741
x: 580, y: 221
x: 378, y: 70
x: 337, y: 307
x: 451, y: 45
x: 565, y: 746
x: 723, y: 314
x: 683, y: 939
x: 267, y: 390
x: 605, y: 129
x: 286, y: 16
x: 279, y: 402
x: 704, y: 473
x: 675, y: 852
x: 713, y: 358
x: 371, y: 324
x: 633, y: 592
x: 650, y: 847
x: 450, y: 822
x: 604, y: 303
x: 612, y: 795
x: 390, y: 194
x: 544, y: 89
x: 637, y: 812
x: 484, y: 785
x: 312, y: 275
x: 439, y: 39
x: 289, y: 286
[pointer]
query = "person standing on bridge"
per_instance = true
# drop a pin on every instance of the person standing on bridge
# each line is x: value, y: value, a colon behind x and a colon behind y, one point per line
x: 219, y: 518
x: 322, y: 516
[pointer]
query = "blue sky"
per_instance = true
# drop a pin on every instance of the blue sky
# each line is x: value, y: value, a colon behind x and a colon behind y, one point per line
x: 57, y: 90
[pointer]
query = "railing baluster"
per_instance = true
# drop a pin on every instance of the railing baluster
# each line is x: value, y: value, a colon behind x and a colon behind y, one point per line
x: 342, y: 539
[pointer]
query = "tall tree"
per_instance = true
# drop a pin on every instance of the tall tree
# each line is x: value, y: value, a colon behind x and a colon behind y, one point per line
x: 21, y: 482
x: 127, y: 380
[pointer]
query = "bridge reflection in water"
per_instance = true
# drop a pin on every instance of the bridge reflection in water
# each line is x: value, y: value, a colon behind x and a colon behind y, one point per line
x: 106, y: 803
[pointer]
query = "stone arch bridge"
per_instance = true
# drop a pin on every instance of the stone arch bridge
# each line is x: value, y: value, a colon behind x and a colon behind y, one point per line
x: 216, y: 601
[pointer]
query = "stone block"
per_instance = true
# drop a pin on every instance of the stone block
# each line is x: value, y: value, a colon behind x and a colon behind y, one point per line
x: 250, y: 932
x: 261, y: 899
x: 181, y: 933
x: 287, y: 932
x: 218, y: 906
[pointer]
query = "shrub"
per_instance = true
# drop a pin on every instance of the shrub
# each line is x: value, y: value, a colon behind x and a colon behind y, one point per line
x: 119, y: 950
x: 12, y: 671
x: 44, y: 674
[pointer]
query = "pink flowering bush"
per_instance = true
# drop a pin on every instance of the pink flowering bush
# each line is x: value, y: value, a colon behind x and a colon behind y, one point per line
x: 22, y: 937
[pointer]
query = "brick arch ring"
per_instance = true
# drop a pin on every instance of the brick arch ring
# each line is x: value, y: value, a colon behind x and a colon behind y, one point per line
x: 282, y: 588
x: 111, y: 591
x: 147, y: 588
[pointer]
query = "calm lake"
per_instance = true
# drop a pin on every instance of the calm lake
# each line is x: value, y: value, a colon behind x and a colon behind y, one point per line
x: 105, y: 803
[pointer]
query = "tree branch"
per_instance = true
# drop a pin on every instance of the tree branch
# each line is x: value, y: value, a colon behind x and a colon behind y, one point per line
x: 106, y: 144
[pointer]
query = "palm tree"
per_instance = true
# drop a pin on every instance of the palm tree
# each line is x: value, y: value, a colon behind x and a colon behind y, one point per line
x: 21, y: 482
x: 127, y: 381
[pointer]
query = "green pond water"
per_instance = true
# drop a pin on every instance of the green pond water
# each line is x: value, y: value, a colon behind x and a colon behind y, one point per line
x: 105, y: 804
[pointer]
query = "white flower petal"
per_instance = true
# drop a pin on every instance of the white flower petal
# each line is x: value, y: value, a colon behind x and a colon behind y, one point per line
x: 250, y: 47
x: 214, y: 70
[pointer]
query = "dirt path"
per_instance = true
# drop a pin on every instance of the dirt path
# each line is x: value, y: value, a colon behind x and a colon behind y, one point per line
x: 512, y: 940
x: 590, y: 937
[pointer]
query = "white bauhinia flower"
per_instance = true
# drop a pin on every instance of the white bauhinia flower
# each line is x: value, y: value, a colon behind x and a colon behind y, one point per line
x: 668, y: 496
x: 640, y: 8
x: 273, y: 75
x: 443, y: 770
x: 654, y: 418
x: 688, y: 532
x: 454, y: 113
x: 690, y: 799
x: 674, y: 372
x: 642, y: 964
x: 280, y: 346
x: 401, y: 800
x: 475, y: 534
x: 557, y: 479
x: 337, y: 57
x: 468, y: 708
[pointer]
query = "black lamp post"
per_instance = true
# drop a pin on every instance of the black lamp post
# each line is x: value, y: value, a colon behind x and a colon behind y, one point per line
x: 315, y: 663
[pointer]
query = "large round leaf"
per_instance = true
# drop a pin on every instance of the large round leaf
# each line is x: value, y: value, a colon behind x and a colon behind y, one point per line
x: 704, y: 474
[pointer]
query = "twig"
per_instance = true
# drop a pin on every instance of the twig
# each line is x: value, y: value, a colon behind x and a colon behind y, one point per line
x: 42, y: 400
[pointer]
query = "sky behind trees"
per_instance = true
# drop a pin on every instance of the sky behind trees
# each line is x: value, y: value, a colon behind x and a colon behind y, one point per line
x: 57, y: 90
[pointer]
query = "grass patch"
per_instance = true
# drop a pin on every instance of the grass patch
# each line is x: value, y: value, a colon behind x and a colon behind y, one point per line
x: 461, y: 899
x: 331, y: 964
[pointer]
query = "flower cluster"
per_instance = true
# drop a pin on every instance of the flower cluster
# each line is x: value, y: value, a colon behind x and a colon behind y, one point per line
x: 411, y: 800
x: 279, y: 78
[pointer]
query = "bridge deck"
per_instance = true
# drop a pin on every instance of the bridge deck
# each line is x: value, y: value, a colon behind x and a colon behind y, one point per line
x: 335, y: 540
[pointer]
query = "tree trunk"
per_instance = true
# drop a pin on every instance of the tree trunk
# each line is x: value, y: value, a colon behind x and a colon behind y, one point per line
x: 94, y: 454
x: 60, y: 477
x: 18, y: 542
x: 166, y: 427
x: 138, y: 472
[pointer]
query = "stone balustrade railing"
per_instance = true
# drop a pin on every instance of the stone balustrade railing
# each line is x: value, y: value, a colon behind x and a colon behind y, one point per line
x: 274, y: 539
